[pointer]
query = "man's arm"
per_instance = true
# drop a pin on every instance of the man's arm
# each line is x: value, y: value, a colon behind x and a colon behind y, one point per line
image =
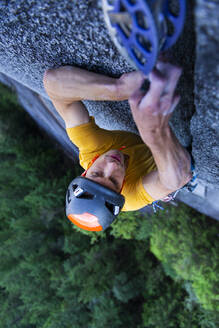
x: 151, y: 113
x: 173, y: 166
x: 68, y: 85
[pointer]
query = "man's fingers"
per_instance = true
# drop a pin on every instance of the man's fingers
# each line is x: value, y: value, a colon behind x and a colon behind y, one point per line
x: 176, y: 100
x: 171, y: 73
x: 136, y: 97
x: 157, y: 85
x: 160, y: 96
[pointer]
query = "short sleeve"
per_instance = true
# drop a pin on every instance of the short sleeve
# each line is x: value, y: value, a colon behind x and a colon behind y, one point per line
x: 89, y: 136
x: 91, y: 140
x: 135, y: 195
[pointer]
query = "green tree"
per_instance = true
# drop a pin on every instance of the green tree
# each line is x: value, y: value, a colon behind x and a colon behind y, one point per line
x: 187, y: 244
x: 54, y: 275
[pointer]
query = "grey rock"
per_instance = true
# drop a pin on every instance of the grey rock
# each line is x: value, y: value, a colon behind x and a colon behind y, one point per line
x: 40, y: 34
x: 204, y: 123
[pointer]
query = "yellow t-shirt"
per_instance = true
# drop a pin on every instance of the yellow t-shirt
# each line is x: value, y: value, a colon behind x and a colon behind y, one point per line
x: 92, y: 140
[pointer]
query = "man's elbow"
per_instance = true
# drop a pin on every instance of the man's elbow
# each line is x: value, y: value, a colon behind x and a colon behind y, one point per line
x: 51, y: 82
x: 177, y: 182
x: 48, y: 81
x: 186, y: 179
x: 182, y: 181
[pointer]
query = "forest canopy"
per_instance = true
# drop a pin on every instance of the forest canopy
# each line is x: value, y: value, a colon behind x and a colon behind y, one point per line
x: 157, y: 271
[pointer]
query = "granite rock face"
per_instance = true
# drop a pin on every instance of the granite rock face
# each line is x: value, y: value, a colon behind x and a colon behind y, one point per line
x: 40, y: 34
x: 205, y: 122
x: 36, y: 35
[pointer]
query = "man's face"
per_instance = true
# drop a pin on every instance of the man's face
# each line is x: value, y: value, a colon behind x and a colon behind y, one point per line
x: 109, y: 170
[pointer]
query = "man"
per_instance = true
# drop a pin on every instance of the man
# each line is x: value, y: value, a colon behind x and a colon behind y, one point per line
x: 141, y: 169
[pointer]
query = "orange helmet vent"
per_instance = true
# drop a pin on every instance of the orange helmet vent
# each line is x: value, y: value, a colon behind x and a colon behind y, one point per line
x: 85, y: 221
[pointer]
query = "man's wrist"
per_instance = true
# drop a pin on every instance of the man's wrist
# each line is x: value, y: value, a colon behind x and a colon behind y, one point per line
x: 157, y: 137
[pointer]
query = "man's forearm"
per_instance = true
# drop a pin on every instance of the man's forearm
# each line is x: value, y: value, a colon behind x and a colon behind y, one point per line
x: 69, y: 84
x: 172, y: 160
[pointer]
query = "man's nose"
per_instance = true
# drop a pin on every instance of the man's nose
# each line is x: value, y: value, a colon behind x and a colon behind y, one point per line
x: 110, y: 167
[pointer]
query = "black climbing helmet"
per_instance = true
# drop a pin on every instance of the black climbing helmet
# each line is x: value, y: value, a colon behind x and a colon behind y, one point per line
x: 90, y: 205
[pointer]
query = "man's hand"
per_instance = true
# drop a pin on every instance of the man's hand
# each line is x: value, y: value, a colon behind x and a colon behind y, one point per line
x: 128, y: 83
x: 152, y: 111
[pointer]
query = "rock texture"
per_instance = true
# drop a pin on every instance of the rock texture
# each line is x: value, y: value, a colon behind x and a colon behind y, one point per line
x: 36, y: 35
x: 205, y: 122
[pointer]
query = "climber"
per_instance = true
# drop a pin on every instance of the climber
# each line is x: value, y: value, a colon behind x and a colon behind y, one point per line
x: 123, y: 171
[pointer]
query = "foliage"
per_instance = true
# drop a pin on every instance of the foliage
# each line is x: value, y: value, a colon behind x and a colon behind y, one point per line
x: 188, y: 244
x: 54, y: 275
x: 131, y: 225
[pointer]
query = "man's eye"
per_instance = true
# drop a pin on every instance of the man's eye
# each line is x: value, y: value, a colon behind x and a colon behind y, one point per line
x: 94, y: 174
x: 115, y: 183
